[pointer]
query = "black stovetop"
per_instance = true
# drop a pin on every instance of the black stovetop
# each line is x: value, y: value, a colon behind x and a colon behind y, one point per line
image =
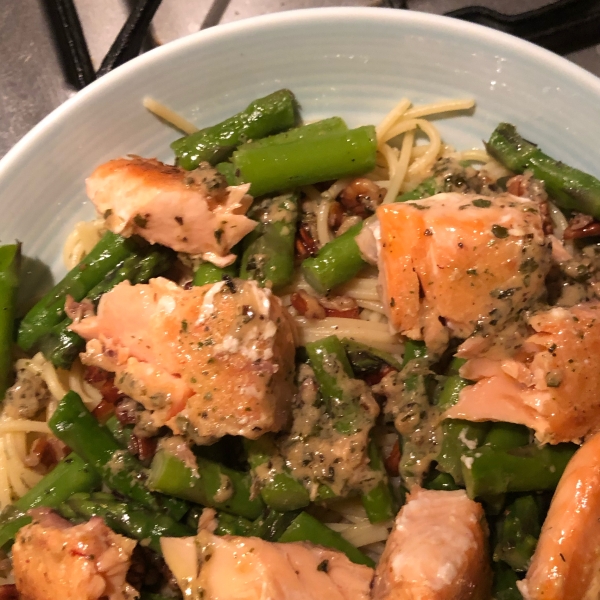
x: 51, y: 48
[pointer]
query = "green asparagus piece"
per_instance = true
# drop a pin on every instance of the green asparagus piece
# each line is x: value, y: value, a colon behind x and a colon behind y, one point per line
x: 378, y: 502
x: 334, y: 375
x: 505, y: 583
x: 439, y: 481
x: 282, y: 492
x: 305, y: 528
x: 506, y: 436
x: 121, y: 433
x: 62, y: 346
x: 366, y: 359
x: 214, y: 485
x: 275, y: 167
x: 228, y: 171
x: 272, y: 525
x: 332, y: 372
x: 273, y: 113
x: 337, y: 262
x: 414, y: 349
x: 493, y: 505
x: 71, y: 475
x: 208, y: 273
x: 106, y: 255
x: 409, y: 411
x: 458, y: 436
x: 269, y: 526
x: 428, y: 187
x: 311, y: 131
x: 269, y: 250
x: 129, y: 519
x: 10, y: 258
x: 518, y: 532
x: 233, y: 525
x: 488, y: 472
x: 73, y: 424
x: 570, y: 188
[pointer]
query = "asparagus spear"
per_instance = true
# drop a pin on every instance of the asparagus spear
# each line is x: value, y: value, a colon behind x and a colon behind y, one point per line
x: 505, y: 583
x: 128, y: 519
x: 428, y: 187
x: 71, y: 475
x: 209, y: 273
x: 233, y: 525
x: 305, y: 528
x: 228, y: 171
x: 333, y: 373
x: 570, y: 188
x: 269, y: 250
x: 214, y: 485
x: 506, y: 436
x: 73, y: 424
x: 366, y: 359
x: 337, y: 262
x: 274, y: 167
x: 439, y: 481
x: 518, y: 532
x: 488, y: 472
x: 107, y: 254
x: 458, y: 436
x: 273, y: 113
x: 121, y: 433
x: 311, y: 131
x: 272, y: 525
x: 10, y: 258
x: 409, y: 409
x: 379, y: 502
x: 282, y: 492
x: 62, y: 345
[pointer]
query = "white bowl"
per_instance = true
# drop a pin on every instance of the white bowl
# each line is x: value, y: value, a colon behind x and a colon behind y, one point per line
x: 352, y: 62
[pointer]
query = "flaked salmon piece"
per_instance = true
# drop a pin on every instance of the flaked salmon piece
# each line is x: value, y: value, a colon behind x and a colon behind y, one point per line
x: 550, y: 385
x: 566, y: 562
x: 208, y: 361
x: 54, y: 560
x: 189, y: 211
x: 453, y: 263
x: 437, y: 550
x: 248, y: 568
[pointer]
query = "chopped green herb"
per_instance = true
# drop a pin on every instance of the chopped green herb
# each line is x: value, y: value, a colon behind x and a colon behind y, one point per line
x: 529, y: 265
x: 140, y: 221
x: 499, y: 231
x: 323, y: 566
x: 553, y: 379
x: 482, y: 203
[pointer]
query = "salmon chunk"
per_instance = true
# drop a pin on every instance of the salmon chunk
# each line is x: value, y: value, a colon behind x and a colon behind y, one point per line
x: 566, y: 562
x: 189, y: 211
x: 453, y: 263
x: 550, y: 385
x: 208, y: 361
x: 437, y: 550
x: 248, y: 568
x: 53, y: 560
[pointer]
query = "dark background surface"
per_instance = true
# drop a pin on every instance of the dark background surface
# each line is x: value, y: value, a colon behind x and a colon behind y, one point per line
x: 32, y: 81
